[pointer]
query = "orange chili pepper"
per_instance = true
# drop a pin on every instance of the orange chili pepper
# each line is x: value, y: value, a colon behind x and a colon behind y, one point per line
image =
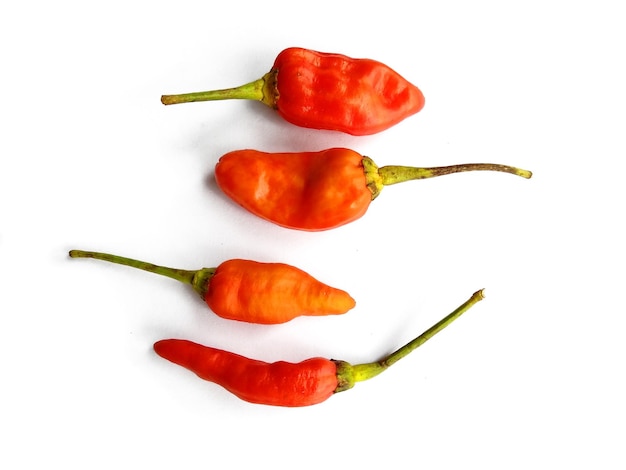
x: 283, y: 383
x: 318, y: 190
x: 250, y: 291
x: 326, y: 91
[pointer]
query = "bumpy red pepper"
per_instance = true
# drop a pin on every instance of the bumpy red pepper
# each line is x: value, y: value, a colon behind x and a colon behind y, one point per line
x: 318, y: 190
x: 326, y: 91
x: 284, y: 383
x: 250, y: 291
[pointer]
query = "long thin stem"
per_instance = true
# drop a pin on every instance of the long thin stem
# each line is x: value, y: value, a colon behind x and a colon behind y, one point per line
x: 376, y: 178
x: 363, y: 372
x: 263, y: 89
x: 181, y: 275
x: 399, y: 174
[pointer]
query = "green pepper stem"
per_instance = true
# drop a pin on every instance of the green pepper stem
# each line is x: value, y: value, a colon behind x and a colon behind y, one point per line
x: 399, y: 174
x: 197, y: 279
x: 348, y: 374
x: 376, y: 178
x: 262, y: 90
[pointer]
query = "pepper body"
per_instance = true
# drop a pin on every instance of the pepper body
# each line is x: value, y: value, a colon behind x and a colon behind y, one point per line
x: 270, y: 293
x: 332, y: 91
x: 250, y: 291
x: 284, y: 383
x: 319, y: 190
x: 328, y: 91
x: 279, y: 383
x: 307, y: 191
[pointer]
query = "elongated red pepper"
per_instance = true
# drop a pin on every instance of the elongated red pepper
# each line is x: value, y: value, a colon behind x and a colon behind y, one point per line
x: 250, y: 291
x: 326, y: 91
x: 283, y: 383
x: 318, y: 190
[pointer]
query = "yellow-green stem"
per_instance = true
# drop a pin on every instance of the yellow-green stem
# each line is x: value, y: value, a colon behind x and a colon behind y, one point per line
x: 198, y: 279
x: 263, y: 89
x: 348, y: 374
x: 399, y: 174
x: 377, y: 178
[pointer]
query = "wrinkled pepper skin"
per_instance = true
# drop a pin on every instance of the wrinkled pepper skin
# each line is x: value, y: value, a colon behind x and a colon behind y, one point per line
x: 271, y: 293
x: 249, y: 291
x: 290, y: 384
x: 321, y: 190
x: 307, y: 191
x: 328, y: 91
x: 279, y: 383
x: 332, y: 91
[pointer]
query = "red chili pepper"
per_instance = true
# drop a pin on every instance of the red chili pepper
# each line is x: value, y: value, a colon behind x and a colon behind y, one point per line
x: 326, y: 91
x: 250, y: 291
x: 318, y: 190
x: 284, y: 383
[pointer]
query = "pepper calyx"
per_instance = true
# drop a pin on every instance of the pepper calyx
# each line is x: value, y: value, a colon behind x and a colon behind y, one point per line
x: 270, y: 89
x: 201, y: 279
x: 373, y: 180
x: 345, y: 376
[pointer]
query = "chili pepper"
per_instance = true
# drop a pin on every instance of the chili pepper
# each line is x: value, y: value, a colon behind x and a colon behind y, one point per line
x: 326, y: 91
x: 285, y: 383
x: 318, y: 190
x: 250, y: 291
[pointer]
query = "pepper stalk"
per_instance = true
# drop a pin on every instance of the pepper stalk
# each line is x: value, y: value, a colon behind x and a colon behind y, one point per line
x: 378, y: 177
x: 348, y: 375
x: 198, y: 279
x: 263, y: 90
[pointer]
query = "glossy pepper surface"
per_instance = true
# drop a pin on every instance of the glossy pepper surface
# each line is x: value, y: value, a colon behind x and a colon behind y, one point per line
x: 318, y: 190
x: 250, y: 291
x: 284, y: 383
x: 326, y: 91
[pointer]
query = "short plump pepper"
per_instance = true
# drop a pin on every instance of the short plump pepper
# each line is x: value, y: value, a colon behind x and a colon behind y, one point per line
x: 326, y: 91
x: 250, y: 291
x: 318, y: 190
x: 284, y: 383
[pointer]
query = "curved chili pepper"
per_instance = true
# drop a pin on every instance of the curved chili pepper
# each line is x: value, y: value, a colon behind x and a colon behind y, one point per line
x: 326, y: 91
x: 318, y: 190
x: 283, y: 383
x: 250, y: 291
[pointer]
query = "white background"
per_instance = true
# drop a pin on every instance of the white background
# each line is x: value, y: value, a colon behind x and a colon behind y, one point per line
x: 532, y: 377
